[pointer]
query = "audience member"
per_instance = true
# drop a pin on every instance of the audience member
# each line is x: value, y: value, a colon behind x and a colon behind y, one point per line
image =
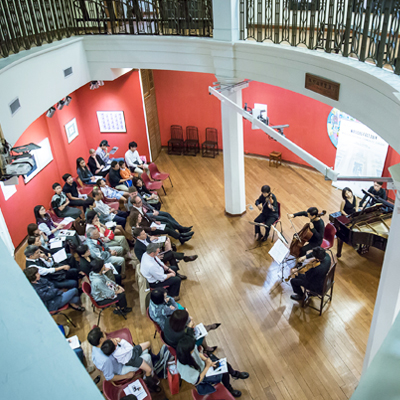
x: 161, y: 306
x: 96, y: 164
x: 110, y: 192
x: 52, y: 297
x: 104, y: 290
x: 60, y: 202
x: 106, y: 212
x: 194, y: 365
x: 158, y: 274
x: 71, y: 190
x: 84, y: 172
x: 151, y: 198
x: 133, y: 160
x: 102, y: 152
x: 115, y: 178
x: 125, y: 173
x: 45, y: 223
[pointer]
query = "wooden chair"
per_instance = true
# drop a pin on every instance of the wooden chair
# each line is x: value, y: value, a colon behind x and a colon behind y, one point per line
x: 192, y: 145
x: 210, y: 145
x: 60, y: 311
x: 275, y: 158
x: 176, y: 143
x: 328, y: 287
x: 329, y: 236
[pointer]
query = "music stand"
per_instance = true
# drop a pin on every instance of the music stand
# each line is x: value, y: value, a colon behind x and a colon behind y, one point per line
x: 279, y: 252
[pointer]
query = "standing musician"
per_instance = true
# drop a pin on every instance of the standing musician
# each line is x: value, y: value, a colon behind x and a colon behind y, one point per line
x: 268, y: 206
x: 317, y: 228
x: 314, y: 278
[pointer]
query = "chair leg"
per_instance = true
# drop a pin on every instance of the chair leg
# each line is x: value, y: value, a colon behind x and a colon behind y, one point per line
x: 322, y: 305
x: 164, y: 190
x: 170, y: 181
x: 68, y: 319
x: 98, y: 319
x: 120, y: 311
x: 155, y: 334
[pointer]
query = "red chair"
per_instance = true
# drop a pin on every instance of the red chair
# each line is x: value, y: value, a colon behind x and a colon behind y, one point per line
x: 221, y: 393
x: 152, y: 185
x: 192, y: 144
x: 123, y: 333
x: 176, y: 143
x: 275, y: 224
x: 157, y: 175
x: 60, y: 311
x: 87, y: 289
x: 112, y: 392
x: 158, y: 328
x: 171, y: 349
x: 329, y: 236
x: 83, y: 189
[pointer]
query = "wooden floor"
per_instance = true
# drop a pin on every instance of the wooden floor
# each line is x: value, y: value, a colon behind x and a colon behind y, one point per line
x: 290, y: 352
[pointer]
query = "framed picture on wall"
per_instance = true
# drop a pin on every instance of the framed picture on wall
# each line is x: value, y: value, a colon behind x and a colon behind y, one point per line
x: 111, y: 121
x: 42, y: 157
x: 71, y: 130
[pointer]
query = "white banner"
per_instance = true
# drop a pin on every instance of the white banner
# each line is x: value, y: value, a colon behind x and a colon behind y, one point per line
x: 360, y: 152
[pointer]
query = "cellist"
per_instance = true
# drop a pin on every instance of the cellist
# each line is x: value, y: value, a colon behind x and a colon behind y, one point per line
x: 317, y: 228
x: 314, y: 278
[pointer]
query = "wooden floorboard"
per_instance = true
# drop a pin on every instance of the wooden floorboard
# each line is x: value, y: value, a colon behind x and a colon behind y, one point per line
x: 290, y: 352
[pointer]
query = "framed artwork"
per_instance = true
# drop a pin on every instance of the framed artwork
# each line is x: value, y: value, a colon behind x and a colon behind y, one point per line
x: 111, y: 121
x: 42, y: 157
x: 71, y: 130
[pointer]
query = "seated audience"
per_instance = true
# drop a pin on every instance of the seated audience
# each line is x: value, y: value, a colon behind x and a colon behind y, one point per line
x: 349, y: 204
x: 112, y: 370
x: 33, y: 230
x: 71, y: 190
x: 132, y: 356
x: 143, y: 240
x: 84, y: 172
x: 85, y: 267
x: 106, y: 212
x: 104, y: 290
x: 62, y: 276
x: 194, y: 365
x: 45, y: 223
x: 102, y: 152
x: 52, y: 297
x: 133, y: 160
x: 158, y: 274
x: 111, y: 193
x: 161, y: 306
x: 101, y: 251
x: 116, y: 181
x: 179, y: 324
x: 125, y: 173
x: 96, y: 164
x: 151, y: 198
x: 60, y: 204
x: 375, y: 190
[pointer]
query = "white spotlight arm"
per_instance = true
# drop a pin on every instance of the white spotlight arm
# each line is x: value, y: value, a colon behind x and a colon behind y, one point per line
x: 314, y: 162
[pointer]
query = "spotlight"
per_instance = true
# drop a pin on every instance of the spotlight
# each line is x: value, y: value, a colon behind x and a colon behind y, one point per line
x: 50, y: 112
x: 67, y: 100
x: 60, y: 104
x: 100, y: 83
x: 96, y: 84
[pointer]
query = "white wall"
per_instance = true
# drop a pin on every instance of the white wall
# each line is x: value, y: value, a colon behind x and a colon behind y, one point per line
x: 366, y: 92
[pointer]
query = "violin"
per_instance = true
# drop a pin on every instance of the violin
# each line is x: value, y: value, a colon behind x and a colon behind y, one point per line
x: 302, y: 237
x: 269, y: 202
x: 303, y: 269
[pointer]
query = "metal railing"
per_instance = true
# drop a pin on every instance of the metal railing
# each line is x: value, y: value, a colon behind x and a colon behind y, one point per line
x: 29, y: 23
x: 364, y: 29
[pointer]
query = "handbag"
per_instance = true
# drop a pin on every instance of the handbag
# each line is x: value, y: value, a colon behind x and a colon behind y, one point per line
x: 80, y: 226
x: 173, y: 378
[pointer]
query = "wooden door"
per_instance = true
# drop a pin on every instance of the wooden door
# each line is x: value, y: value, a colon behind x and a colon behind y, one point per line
x: 150, y: 104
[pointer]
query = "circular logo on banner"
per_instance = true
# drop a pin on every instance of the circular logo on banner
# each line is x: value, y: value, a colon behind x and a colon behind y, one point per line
x: 333, y: 124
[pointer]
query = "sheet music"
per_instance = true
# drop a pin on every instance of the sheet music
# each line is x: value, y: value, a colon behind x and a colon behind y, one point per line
x: 279, y: 251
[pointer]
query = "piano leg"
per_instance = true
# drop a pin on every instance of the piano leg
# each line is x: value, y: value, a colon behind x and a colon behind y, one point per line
x: 339, y: 247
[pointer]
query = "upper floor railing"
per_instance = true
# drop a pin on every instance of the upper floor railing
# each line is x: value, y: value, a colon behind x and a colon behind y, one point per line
x: 29, y: 23
x: 365, y: 29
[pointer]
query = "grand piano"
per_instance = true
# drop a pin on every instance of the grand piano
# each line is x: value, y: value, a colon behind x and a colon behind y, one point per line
x: 362, y: 229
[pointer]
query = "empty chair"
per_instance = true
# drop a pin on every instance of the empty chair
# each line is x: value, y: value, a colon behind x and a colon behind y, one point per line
x: 192, y: 145
x: 221, y: 393
x: 329, y: 236
x: 210, y: 147
x: 157, y: 175
x: 152, y: 185
x: 176, y: 143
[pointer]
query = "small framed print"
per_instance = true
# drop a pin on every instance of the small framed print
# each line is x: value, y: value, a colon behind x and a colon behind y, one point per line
x: 71, y: 129
x: 111, y: 121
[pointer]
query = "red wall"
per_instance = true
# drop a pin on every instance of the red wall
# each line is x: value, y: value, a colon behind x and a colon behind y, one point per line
x: 124, y: 94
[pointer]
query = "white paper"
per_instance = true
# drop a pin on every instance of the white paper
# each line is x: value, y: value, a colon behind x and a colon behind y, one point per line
x: 200, y: 331
x: 67, y: 220
x: 97, y: 177
x: 110, y: 266
x: 106, y: 167
x: 161, y: 227
x: 279, y: 251
x: 66, y: 232
x: 8, y: 190
x: 113, y: 150
x: 110, y: 224
x: 60, y: 256
x: 56, y: 244
x: 160, y: 239
x: 137, y: 389
x: 220, y: 370
x: 74, y: 342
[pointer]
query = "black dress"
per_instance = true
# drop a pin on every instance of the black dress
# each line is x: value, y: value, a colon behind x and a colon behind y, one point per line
x: 350, y: 208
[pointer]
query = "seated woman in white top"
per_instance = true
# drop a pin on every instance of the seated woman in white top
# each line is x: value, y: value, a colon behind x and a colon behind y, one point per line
x: 193, y: 366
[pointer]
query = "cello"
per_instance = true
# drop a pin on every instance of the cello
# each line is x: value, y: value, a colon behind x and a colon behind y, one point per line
x: 302, y: 237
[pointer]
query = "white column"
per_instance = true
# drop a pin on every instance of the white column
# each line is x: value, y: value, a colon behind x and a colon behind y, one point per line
x: 232, y: 137
x: 226, y: 20
x: 388, y: 298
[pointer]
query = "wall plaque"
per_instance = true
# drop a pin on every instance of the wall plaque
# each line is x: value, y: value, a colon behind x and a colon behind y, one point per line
x: 322, y: 86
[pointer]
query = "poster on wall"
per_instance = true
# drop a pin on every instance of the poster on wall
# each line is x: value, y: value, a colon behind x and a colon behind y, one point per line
x: 71, y: 130
x: 111, y: 121
x: 360, y: 152
x: 42, y: 157
x: 335, y: 119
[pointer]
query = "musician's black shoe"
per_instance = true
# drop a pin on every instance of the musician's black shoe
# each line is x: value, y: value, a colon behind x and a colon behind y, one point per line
x: 297, y: 297
x: 258, y: 237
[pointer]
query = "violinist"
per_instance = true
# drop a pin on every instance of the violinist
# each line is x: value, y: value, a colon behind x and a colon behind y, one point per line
x: 268, y: 206
x: 317, y: 228
x: 314, y: 278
